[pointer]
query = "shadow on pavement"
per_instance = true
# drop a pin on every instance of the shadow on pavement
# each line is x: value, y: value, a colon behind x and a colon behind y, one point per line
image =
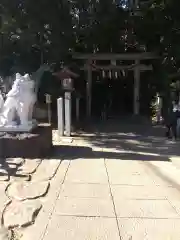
x: 75, y: 152
x: 144, y: 139
x: 142, y: 142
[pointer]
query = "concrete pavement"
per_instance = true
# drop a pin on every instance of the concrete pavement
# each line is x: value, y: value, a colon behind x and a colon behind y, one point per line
x: 112, y: 187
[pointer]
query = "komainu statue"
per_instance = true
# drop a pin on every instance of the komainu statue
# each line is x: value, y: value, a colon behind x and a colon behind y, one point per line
x: 16, y: 111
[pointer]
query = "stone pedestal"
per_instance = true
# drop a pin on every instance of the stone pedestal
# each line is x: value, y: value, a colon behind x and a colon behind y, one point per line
x: 37, y: 144
x: 19, y: 128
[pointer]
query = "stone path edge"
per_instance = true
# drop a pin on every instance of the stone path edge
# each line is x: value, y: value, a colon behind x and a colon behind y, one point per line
x: 28, y: 198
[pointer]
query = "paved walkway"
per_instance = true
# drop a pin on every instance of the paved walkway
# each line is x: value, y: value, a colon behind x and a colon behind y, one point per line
x: 109, y: 186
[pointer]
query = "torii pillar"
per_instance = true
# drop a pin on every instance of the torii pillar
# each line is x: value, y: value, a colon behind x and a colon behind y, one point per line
x: 89, y: 89
x: 136, y: 108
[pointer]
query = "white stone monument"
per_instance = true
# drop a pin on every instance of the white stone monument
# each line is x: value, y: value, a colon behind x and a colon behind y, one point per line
x: 68, y: 87
x: 16, y: 111
x: 60, y: 111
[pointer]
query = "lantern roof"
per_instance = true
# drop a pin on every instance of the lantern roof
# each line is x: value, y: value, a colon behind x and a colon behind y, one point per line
x: 64, y: 73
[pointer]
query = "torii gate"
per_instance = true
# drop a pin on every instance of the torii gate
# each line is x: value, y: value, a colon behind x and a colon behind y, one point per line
x: 137, y: 67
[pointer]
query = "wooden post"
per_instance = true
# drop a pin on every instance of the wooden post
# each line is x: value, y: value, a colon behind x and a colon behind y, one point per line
x: 89, y: 89
x: 136, y: 88
x: 158, y: 108
x: 48, y: 102
x: 136, y: 4
x: 113, y: 62
x: 77, y: 108
x: 131, y: 4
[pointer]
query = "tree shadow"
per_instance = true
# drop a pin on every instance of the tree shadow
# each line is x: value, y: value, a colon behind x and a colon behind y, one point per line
x: 139, y: 139
x: 79, y: 152
x: 10, y: 169
x: 121, y: 141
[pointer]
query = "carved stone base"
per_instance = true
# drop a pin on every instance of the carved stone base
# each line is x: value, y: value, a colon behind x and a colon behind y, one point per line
x: 37, y: 144
x: 18, y: 129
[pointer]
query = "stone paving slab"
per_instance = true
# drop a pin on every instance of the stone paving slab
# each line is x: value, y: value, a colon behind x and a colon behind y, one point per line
x: 125, y: 166
x: 30, y: 166
x: 85, y: 191
x: 4, y: 175
x: 158, y: 181
x: 79, y: 204
x: 138, y: 192
x: 149, y: 229
x: 173, y: 194
x: 19, y: 214
x: 72, y: 228
x: 96, y: 176
x: 87, y: 163
x: 130, y: 179
x: 37, y: 230
x: 4, y: 200
x: 84, y: 207
x: 5, y: 234
x: 167, y: 171
x: 20, y: 177
x: 145, y: 209
x: 168, y: 168
x: 175, y: 204
x: 163, y: 173
x: 87, y: 172
x: 127, y: 173
x: 55, y: 187
x: 15, y: 161
x: 47, y: 170
x: 27, y: 190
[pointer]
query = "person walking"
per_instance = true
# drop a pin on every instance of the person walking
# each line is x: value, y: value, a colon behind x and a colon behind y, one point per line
x: 171, y: 121
x: 178, y: 121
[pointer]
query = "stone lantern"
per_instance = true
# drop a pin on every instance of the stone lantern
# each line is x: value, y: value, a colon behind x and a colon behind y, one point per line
x: 66, y: 77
